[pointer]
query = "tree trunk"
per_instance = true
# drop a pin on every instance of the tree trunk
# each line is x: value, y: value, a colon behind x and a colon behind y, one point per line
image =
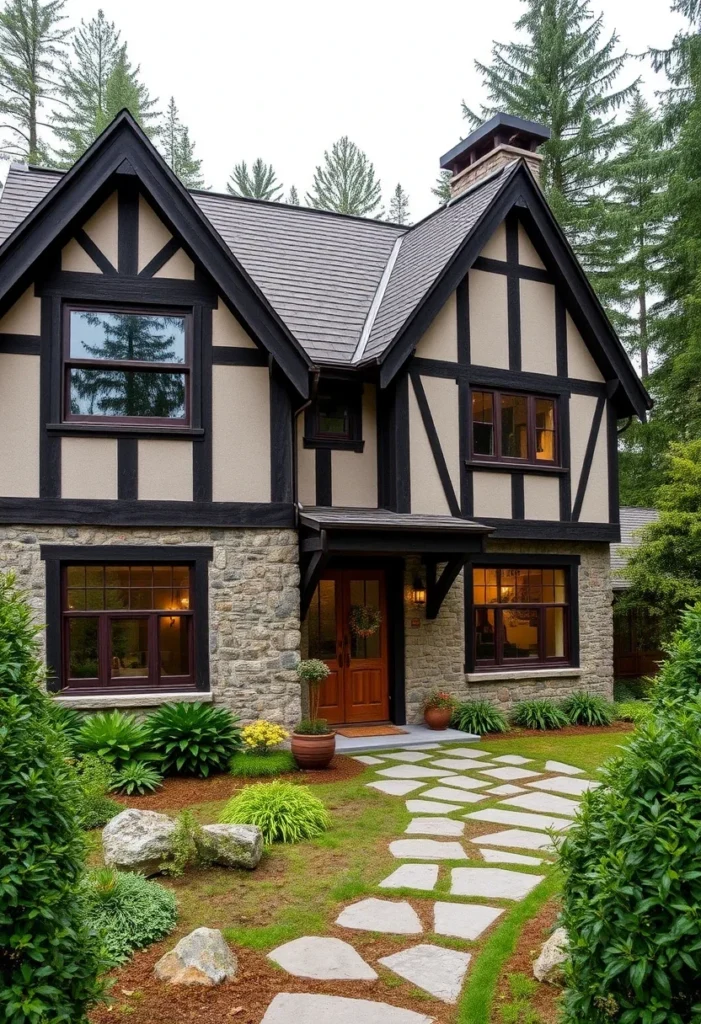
x: 644, y: 363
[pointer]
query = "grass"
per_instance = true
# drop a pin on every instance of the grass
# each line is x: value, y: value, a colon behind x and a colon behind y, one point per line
x: 587, y: 751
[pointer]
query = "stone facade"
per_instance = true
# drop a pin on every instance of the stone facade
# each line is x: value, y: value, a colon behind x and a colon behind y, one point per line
x: 253, y: 604
x: 491, y: 162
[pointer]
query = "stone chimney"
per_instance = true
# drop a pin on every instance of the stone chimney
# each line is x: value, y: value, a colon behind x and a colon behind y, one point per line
x: 494, y: 144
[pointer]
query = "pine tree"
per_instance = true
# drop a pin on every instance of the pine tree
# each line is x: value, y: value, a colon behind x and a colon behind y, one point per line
x: 178, y: 150
x: 399, y: 206
x: 442, y: 187
x: 260, y: 183
x: 346, y: 182
x: 31, y: 45
x: 563, y: 76
x: 293, y: 197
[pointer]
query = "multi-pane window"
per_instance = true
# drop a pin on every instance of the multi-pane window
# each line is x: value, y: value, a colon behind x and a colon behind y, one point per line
x: 514, y: 427
x: 520, y: 615
x: 335, y: 418
x: 127, y: 366
x: 127, y: 627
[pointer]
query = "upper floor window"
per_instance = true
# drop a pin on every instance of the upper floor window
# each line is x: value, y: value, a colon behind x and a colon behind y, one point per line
x: 514, y: 428
x: 127, y: 366
x: 334, y: 420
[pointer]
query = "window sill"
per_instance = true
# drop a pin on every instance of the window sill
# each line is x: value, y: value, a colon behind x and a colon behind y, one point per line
x: 131, y: 700
x: 508, y: 467
x: 126, y: 429
x: 514, y: 675
x: 339, y: 446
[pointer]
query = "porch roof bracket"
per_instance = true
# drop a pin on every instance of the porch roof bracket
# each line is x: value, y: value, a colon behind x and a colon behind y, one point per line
x: 312, y: 564
x: 437, y: 589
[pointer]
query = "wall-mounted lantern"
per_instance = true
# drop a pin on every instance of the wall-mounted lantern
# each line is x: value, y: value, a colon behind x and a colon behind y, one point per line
x: 419, y: 593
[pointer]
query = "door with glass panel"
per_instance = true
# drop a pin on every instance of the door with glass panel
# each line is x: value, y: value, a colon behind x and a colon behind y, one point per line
x: 348, y: 631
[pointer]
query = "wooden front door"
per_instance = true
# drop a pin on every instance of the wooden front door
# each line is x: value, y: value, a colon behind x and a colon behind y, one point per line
x: 357, y: 689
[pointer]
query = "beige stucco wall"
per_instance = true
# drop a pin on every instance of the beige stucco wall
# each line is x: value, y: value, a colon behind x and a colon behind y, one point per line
x: 19, y: 425
x: 179, y: 266
x: 442, y: 398
x: 24, y: 317
x: 495, y: 249
x: 489, y: 329
x: 526, y: 250
x: 441, y: 339
x: 580, y: 363
x: 89, y: 468
x: 427, y: 495
x: 153, y: 234
x: 75, y: 259
x: 541, y: 496
x: 538, y: 352
x: 491, y: 494
x: 226, y: 330
x: 103, y: 229
x: 354, y: 474
x: 595, y: 506
x: 165, y: 470
x: 306, y: 468
x: 240, y: 433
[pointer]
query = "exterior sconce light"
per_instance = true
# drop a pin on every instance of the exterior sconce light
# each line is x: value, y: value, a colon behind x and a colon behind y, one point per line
x: 419, y: 591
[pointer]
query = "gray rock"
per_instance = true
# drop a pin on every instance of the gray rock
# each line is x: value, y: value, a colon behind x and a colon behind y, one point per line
x: 233, y: 846
x: 323, y: 959
x: 201, y: 958
x: 138, y: 841
x: 303, y: 1008
x: 435, y: 969
x: 548, y: 966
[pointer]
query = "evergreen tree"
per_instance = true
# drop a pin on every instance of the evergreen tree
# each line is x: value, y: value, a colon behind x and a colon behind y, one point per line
x: 442, y: 187
x: 399, y: 206
x: 293, y: 197
x: 346, y: 182
x: 258, y: 183
x: 31, y: 44
x: 179, y: 151
x: 562, y: 75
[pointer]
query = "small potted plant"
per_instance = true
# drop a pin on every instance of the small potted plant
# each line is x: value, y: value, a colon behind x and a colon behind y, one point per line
x: 313, y: 742
x: 438, y: 709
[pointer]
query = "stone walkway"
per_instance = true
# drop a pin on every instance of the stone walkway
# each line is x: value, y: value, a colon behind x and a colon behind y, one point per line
x: 444, y: 783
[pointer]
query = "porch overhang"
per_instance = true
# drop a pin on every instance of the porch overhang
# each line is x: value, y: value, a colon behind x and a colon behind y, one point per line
x: 328, y: 532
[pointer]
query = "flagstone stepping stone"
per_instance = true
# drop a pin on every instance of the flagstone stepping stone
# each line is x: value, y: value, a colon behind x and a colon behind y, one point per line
x: 456, y: 795
x: 412, y: 771
x: 430, y: 807
x: 426, y: 849
x: 508, y: 789
x: 367, y: 759
x: 374, y: 915
x: 512, y: 759
x: 412, y: 876
x: 492, y: 883
x: 504, y: 857
x: 410, y: 756
x: 463, y: 920
x: 435, y: 827
x: 323, y: 959
x: 457, y: 764
x: 463, y: 782
x: 510, y: 774
x: 563, y: 769
x: 396, y: 787
x: 547, y: 802
x: 435, y: 969
x: 304, y: 1008
x: 468, y: 752
x: 422, y: 746
x: 516, y: 838
x: 543, y: 822
x: 564, y: 784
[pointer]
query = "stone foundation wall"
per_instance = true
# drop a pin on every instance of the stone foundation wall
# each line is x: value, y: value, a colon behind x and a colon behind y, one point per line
x: 253, y: 590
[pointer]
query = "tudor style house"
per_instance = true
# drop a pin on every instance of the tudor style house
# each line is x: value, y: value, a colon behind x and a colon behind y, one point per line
x: 236, y: 432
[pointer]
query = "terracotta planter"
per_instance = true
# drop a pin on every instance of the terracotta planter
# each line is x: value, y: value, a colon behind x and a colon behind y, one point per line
x: 438, y: 718
x: 313, y: 751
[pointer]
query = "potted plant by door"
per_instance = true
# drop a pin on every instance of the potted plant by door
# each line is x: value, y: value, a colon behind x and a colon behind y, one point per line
x: 438, y: 709
x: 313, y: 742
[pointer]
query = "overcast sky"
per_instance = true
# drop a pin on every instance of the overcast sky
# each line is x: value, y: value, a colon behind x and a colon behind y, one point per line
x: 283, y: 80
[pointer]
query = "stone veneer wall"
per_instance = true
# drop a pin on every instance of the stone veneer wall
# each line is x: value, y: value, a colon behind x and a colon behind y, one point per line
x: 434, y: 651
x: 254, y: 630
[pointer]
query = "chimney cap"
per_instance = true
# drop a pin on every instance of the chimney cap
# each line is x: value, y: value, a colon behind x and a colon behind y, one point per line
x: 500, y: 129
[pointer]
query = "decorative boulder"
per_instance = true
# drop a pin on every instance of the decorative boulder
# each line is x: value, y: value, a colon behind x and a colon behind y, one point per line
x: 232, y: 846
x: 201, y: 958
x: 548, y: 966
x: 138, y: 841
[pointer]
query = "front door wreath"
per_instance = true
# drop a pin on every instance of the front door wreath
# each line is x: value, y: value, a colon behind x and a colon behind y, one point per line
x: 364, y: 619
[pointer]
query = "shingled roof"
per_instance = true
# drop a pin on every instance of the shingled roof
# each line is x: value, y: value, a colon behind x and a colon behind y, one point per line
x: 633, y: 520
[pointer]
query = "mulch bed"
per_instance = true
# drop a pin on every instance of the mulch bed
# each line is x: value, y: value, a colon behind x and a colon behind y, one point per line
x: 177, y: 793
x: 569, y: 730
x: 530, y: 942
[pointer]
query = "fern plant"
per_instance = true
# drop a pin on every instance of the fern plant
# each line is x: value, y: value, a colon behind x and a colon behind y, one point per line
x: 136, y: 777
x: 539, y: 713
x: 479, y: 716
x: 284, y: 812
x: 115, y: 737
x: 584, y: 708
x: 193, y: 739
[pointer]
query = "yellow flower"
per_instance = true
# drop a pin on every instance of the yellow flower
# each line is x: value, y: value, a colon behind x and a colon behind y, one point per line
x: 262, y: 736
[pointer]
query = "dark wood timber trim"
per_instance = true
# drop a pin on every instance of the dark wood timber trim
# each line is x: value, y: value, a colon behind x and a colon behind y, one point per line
x: 323, y: 477
x: 612, y: 458
x: 86, y: 512
x: 311, y: 571
x: 547, y: 530
x: 503, y: 467
x: 20, y: 344
x: 53, y: 624
x: 128, y: 221
x: 524, y: 272
x: 120, y: 553
x: 513, y: 291
x: 231, y: 355
x: 202, y: 403
x: 94, y: 252
x: 518, y: 560
x: 79, y: 429
x: 565, y: 458
x: 435, y: 445
x: 76, y: 286
x: 402, y: 467
x: 560, y: 335
x: 512, y: 380
x: 161, y: 258
x: 518, y: 507
x: 437, y: 589
x: 127, y: 468
x: 462, y: 303
x: 281, y: 484
x: 50, y: 397
x: 588, y: 458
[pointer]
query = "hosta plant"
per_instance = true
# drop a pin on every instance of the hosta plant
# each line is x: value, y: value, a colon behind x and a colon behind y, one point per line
x: 539, y: 713
x: 126, y: 910
x: 285, y: 812
x: 584, y: 708
x: 479, y: 716
x: 136, y: 777
x: 114, y: 736
x: 193, y: 739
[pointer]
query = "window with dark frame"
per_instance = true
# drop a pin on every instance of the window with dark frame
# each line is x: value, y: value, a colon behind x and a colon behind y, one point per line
x: 334, y: 420
x: 127, y: 627
x: 514, y: 428
x: 127, y: 366
x: 521, y: 616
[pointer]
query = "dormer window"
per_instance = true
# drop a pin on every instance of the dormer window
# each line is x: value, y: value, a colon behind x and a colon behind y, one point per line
x: 514, y: 428
x: 334, y: 420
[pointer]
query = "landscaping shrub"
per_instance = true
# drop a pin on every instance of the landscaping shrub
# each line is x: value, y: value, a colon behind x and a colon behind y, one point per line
x: 479, y: 716
x: 49, y: 960
x: 193, y: 739
x: 114, y: 736
x: 262, y: 737
x: 187, y: 843
x: 680, y: 675
x: 633, y: 711
x: 625, y: 690
x: 136, y: 777
x: 126, y: 910
x: 541, y: 713
x: 68, y: 723
x: 285, y: 812
x: 312, y: 727
x: 247, y: 764
x: 583, y: 708
x: 95, y: 777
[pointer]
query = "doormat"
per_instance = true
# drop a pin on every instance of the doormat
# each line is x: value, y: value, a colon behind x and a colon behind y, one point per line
x: 358, y: 731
